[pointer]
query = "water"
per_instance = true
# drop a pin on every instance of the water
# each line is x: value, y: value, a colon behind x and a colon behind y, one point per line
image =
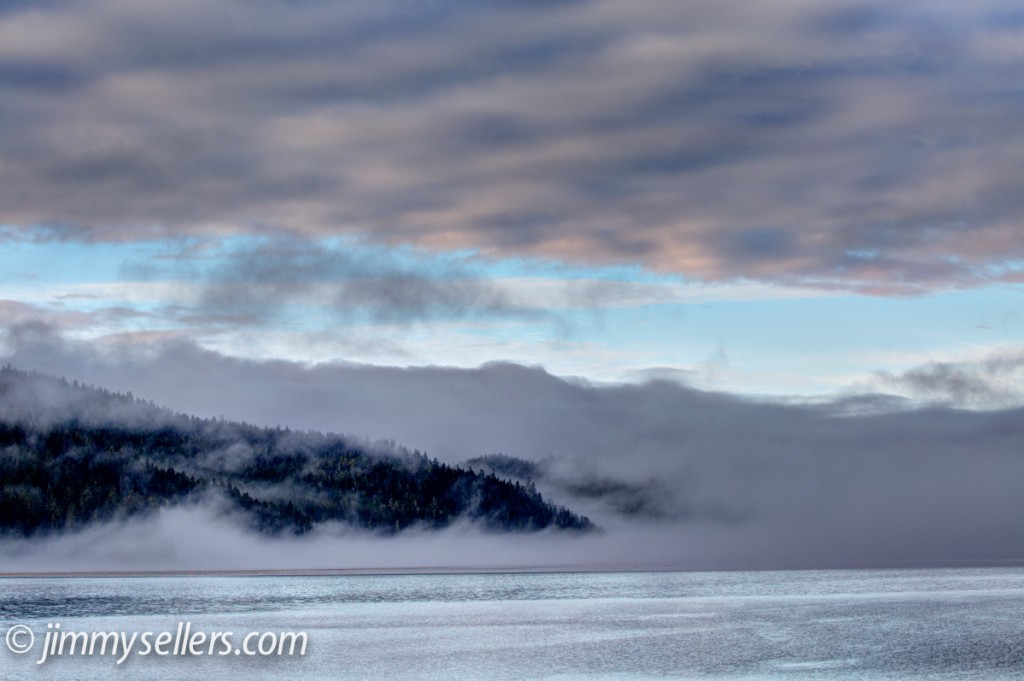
x: 906, y: 624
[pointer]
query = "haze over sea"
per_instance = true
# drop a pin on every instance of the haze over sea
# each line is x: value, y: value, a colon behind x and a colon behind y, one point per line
x: 843, y: 624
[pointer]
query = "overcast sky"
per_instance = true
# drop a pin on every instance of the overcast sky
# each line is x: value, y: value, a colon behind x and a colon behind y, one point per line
x: 576, y: 227
x: 775, y: 199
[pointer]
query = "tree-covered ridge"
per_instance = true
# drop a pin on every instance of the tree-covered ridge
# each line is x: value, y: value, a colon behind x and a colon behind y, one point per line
x: 651, y: 498
x: 71, y: 455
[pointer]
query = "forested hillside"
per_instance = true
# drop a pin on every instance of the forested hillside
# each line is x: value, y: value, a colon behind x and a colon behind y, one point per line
x: 71, y: 455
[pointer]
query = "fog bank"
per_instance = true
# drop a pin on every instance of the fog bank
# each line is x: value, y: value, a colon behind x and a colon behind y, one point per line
x: 737, y: 483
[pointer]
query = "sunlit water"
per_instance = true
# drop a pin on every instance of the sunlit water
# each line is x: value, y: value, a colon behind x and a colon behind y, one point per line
x: 906, y: 624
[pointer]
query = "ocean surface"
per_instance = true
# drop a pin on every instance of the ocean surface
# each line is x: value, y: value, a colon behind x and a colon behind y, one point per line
x: 864, y: 624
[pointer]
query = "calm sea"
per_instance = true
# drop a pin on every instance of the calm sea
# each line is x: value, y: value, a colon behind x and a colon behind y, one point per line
x: 903, y: 624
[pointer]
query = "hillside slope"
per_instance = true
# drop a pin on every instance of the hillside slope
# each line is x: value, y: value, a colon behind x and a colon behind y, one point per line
x: 71, y: 455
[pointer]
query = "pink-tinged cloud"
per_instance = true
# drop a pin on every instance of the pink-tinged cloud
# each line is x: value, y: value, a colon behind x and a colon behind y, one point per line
x: 846, y: 144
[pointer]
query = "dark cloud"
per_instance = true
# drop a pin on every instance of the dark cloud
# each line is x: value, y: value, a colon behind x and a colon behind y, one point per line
x: 39, y: 77
x: 850, y: 144
x: 259, y: 283
x: 989, y: 383
x: 683, y: 475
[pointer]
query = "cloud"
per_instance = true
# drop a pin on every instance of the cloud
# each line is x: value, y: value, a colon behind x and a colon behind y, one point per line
x: 989, y: 383
x: 740, y: 483
x: 849, y: 144
x: 260, y: 282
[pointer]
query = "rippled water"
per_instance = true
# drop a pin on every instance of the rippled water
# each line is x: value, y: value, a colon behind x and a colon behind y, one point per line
x: 906, y: 624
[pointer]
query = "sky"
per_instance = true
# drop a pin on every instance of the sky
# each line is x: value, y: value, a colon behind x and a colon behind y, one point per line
x: 784, y: 200
x: 404, y: 218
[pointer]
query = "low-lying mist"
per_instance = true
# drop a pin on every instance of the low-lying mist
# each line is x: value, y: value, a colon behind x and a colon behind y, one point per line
x: 676, y: 477
x: 199, y: 536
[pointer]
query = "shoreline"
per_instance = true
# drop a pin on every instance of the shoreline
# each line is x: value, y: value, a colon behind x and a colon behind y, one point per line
x: 496, y: 569
x: 341, y: 572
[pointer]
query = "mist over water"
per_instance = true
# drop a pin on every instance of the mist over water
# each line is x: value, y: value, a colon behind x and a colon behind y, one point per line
x: 200, y: 537
x: 720, y: 481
